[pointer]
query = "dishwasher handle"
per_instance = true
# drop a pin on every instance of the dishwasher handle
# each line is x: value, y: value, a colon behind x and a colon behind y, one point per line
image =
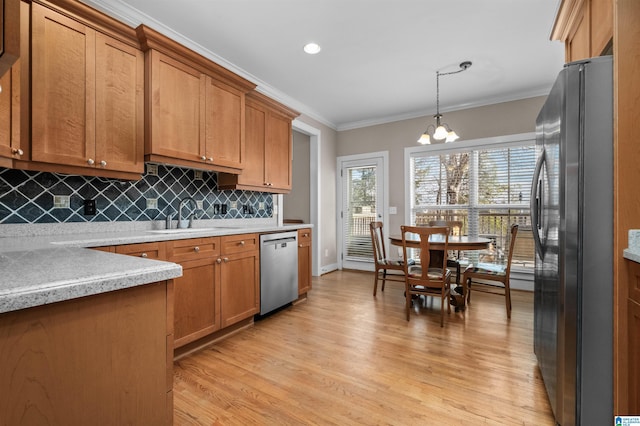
x: 278, y: 241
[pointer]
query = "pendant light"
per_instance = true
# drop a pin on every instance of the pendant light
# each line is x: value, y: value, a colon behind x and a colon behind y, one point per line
x: 440, y: 130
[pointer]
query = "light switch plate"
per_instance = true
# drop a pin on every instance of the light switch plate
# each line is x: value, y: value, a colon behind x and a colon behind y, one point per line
x: 234, y: 205
x: 152, y: 170
x: 393, y: 210
x: 199, y: 204
x: 197, y: 175
x: 261, y: 205
x: 61, y: 201
x: 152, y: 203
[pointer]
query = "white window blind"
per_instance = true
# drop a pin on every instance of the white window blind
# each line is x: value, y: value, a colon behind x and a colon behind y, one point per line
x: 485, y: 187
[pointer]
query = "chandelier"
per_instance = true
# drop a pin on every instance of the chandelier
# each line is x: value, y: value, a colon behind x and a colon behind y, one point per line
x: 441, y: 131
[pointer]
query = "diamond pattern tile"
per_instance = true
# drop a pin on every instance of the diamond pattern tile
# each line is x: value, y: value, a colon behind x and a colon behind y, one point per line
x: 27, y: 197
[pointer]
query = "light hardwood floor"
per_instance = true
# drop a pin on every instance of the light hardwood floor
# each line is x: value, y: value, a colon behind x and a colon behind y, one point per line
x: 347, y: 358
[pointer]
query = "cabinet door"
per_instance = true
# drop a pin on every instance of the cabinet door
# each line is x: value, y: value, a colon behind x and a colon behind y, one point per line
x: 63, y: 89
x: 634, y: 354
x: 240, y: 286
x: 177, y: 105
x: 277, y: 152
x: 224, y: 125
x: 9, y: 34
x: 304, y: 261
x: 255, y: 122
x: 10, y: 114
x: 119, y: 106
x: 196, y: 301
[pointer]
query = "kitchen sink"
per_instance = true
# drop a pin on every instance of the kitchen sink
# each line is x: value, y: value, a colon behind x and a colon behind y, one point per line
x: 183, y: 230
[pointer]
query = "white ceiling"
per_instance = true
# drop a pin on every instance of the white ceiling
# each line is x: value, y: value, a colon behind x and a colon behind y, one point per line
x: 379, y: 57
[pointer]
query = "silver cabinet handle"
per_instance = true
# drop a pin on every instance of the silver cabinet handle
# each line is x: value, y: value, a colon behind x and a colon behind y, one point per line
x: 241, y: 243
x: 226, y: 259
x: 218, y: 261
x: 103, y: 163
x: 203, y: 158
x: 196, y: 249
x: 210, y: 158
x: 144, y: 255
x: 18, y: 151
x: 91, y: 162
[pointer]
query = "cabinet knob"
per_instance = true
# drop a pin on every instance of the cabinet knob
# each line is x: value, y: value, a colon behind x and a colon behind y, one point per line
x: 210, y: 159
x: 203, y: 158
x: 91, y: 162
x: 241, y: 243
x: 144, y: 255
x: 103, y: 163
x: 300, y: 245
x: 306, y: 235
x: 218, y: 261
x: 196, y: 249
x: 17, y: 151
x: 226, y: 259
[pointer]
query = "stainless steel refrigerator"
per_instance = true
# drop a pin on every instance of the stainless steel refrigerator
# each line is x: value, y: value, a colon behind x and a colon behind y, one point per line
x: 572, y: 215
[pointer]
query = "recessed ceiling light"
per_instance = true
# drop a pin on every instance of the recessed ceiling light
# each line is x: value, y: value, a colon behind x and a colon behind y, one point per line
x: 312, y: 48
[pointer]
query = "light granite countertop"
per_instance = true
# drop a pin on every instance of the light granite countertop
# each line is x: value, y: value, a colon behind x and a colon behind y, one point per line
x: 633, y: 251
x: 47, y: 264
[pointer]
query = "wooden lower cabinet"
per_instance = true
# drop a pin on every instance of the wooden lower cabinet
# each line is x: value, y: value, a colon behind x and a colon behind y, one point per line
x: 633, y: 339
x: 304, y: 260
x: 239, y: 278
x: 98, y: 360
x: 197, y: 291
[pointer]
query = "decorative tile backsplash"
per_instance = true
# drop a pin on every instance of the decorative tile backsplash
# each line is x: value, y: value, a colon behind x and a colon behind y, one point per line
x: 39, y: 197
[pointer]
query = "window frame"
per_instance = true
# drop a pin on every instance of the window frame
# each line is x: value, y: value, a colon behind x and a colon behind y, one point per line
x: 474, y: 145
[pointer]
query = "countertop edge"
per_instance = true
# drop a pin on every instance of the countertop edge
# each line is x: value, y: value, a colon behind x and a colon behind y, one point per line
x: 632, y: 254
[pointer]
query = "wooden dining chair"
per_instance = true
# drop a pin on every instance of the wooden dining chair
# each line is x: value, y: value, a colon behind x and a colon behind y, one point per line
x: 381, y: 262
x: 494, y: 276
x: 425, y: 278
x: 456, y: 229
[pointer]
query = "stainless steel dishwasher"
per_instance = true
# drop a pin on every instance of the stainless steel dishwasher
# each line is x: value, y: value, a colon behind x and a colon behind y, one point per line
x: 278, y: 270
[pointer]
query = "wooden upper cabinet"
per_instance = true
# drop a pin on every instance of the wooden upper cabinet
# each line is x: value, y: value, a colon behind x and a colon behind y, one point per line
x: 586, y: 28
x: 87, y: 104
x: 10, y: 116
x: 195, y: 108
x: 268, y: 147
x: 9, y: 34
x: 176, y: 109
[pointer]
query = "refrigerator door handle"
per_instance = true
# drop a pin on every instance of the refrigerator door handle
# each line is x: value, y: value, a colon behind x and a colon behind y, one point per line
x: 536, y: 204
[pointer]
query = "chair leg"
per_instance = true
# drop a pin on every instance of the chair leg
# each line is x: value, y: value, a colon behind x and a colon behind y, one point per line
x: 384, y: 278
x: 408, y: 300
x: 507, y: 297
x: 468, y: 289
x: 375, y: 283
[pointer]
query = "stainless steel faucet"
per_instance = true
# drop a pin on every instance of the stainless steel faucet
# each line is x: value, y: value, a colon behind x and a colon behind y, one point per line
x: 188, y: 222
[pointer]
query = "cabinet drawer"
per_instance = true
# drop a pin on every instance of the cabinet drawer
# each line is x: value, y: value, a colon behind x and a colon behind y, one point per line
x: 304, y: 236
x: 148, y: 250
x: 239, y: 243
x: 193, y: 248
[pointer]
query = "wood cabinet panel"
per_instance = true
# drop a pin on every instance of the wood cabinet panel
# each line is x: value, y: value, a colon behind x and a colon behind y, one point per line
x: 601, y: 25
x: 224, y: 121
x: 196, y: 301
x: 240, y: 289
x: 633, y: 351
x: 99, y: 358
x: 155, y: 250
x: 63, y: 89
x: 578, y: 45
x: 10, y: 116
x: 255, y: 125
x: 278, y: 152
x: 176, y: 109
x: 9, y: 34
x: 239, y: 243
x: 193, y: 248
x: 119, y: 105
x: 304, y: 260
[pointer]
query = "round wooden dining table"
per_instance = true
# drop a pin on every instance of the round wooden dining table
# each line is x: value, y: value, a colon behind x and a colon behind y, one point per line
x: 456, y: 242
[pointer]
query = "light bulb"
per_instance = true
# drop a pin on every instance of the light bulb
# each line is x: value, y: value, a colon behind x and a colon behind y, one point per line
x: 424, y: 139
x: 452, y: 136
x: 440, y: 133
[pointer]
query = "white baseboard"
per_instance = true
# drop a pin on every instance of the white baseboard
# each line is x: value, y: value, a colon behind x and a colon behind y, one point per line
x: 328, y: 268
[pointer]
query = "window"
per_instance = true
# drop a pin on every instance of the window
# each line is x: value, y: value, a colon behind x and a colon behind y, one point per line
x: 486, y: 184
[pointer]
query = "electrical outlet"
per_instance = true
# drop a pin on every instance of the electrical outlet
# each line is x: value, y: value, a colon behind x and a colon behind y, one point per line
x: 89, y: 207
x: 61, y: 201
x: 152, y: 170
x: 152, y: 203
x: 197, y: 175
x: 200, y: 203
x: 234, y: 205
